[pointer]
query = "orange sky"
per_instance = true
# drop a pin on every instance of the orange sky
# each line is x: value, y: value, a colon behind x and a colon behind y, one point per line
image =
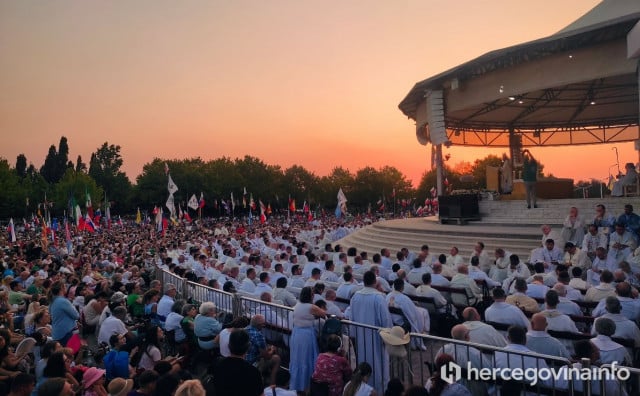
x: 291, y: 82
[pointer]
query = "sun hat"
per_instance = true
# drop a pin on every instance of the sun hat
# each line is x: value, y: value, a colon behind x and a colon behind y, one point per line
x: 118, y: 297
x: 120, y: 386
x: 395, y: 336
x: 92, y: 375
x: 395, y: 339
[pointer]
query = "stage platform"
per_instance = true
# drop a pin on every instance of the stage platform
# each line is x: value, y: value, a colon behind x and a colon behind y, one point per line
x: 506, y: 224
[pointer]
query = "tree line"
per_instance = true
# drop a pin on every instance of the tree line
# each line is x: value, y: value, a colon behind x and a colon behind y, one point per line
x: 60, y: 181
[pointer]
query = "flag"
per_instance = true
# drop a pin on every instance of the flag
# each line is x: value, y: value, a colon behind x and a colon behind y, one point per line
x: 180, y: 214
x: 252, y: 203
x: 78, y: 217
x: 250, y: 217
x: 67, y: 235
x: 159, y: 222
x: 393, y: 193
x: 138, y: 217
x: 55, y: 225
x: 155, y: 210
x: 166, y: 169
x: 233, y: 202
x: 171, y: 206
x: 193, y: 202
x: 342, y: 201
x: 305, y: 207
x: 187, y: 217
x: 433, y: 191
x: 165, y: 225
x: 12, y: 230
x: 89, y: 225
x: 309, y: 216
x: 201, y: 202
x: 97, y: 215
x: 268, y: 209
x: 292, y: 204
x: 446, y: 182
x: 263, y: 216
x: 225, y: 206
x: 171, y: 186
x: 108, y: 214
x: 380, y: 204
x: 88, y: 204
x: 244, y: 201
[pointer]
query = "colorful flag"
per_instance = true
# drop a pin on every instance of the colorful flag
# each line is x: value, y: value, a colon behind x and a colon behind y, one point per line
x: 292, y: 204
x: 138, y: 217
x: 244, y: 201
x: 12, y: 230
x: 193, y: 202
x: 393, y: 193
x: 305, y: 207
x: 252, y: 203
x: 180, y: 214
x: 201, y: 202
x: 159, y: 223
x: 67, y: 235
x: 89, y: 225
x: 166, y: 169
x: 263, y: 216
x: 233, y: 202
x: 433, y: 191
x: 108, y: 214
x: 171, y: 186
x: 268, y: 209
x: 187, y: 217
x: 78, y: 217
x: 338, y: 211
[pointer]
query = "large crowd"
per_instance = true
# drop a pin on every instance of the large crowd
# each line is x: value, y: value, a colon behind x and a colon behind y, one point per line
x: 90, y: 316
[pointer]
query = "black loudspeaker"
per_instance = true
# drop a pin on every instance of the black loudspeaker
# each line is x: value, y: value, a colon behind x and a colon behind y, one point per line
x: 458, y: 206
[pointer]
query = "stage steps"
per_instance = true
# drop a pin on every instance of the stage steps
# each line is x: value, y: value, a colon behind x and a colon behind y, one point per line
x: 506, y: 224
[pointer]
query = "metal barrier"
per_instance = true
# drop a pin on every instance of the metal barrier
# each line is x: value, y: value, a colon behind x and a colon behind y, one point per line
x: 415, y: 365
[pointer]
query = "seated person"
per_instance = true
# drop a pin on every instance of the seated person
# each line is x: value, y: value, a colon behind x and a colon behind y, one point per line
x: 627, y: 179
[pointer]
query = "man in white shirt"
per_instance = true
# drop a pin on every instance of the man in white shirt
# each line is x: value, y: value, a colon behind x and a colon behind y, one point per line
x: 501, y: 312
x: 593, y: 240
x: 425, y: 290
x: 556, y: 320
x: 248, y: 285
x: 603, y: 290
x: 576, y: 279
x: 297, y: 279
x: 409, y: 289
x: 476, y: 273
x: 462, y: 280
x: 625, y: 328
x: 480, y: 332
x: 576, y: 257
x: 610, y: 351
x: 548, y: 233
x: 113, y: 325
x: 500, y: 270
x: 630, y: 306
x: 437, y: 279
x: 485, y: 261
x: 512, y: 356
x: 538, y: 340
x: 167, y: 300
x: 281, y: 293
x: 415, y: 274
x: 454, y: 258
x: 537, y: 288
x: 417, y: 317
x: 329, y: 275
x: 263, y: 285
x: 565, y: 305
x: 621, y: 244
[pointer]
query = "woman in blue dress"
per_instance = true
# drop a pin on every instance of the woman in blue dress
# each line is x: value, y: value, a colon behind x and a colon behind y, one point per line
x: 304, y: 341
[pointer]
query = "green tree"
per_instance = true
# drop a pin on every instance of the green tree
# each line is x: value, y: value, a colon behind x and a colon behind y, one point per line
x: 80, y: 166
x: 12, y: 193
x: 21, y: 166
x: 74, y: 185
x: 105, y: 168
x: 48, y: 169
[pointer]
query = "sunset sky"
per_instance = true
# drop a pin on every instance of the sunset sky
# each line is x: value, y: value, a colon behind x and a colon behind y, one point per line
x: 291, y: 82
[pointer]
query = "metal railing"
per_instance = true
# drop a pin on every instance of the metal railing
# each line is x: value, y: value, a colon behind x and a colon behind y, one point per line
x: 411, y: 364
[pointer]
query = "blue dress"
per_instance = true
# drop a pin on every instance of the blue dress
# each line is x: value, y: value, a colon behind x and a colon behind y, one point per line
x: 303, y: 347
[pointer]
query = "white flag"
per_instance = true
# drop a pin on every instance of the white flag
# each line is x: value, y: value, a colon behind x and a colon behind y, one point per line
x: 170, y: 205
x: 172, y: 186
x: 342, y: 201
x: 233, y: 203
x: 13, y: 230
x: 193, y: 202
x: 78, y: 215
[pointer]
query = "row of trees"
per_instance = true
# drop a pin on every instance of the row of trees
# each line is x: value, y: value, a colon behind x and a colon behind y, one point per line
x: 60, y: 181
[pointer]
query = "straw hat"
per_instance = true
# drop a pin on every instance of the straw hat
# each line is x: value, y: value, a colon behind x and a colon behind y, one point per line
x: 395, y: 336
x: 92, y: 375
x: 120, y: 386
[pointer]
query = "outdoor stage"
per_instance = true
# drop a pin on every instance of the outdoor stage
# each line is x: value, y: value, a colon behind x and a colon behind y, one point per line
x: 506, y: 224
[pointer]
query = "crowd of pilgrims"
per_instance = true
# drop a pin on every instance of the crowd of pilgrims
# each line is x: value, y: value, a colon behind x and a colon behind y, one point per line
x: 88, y: 316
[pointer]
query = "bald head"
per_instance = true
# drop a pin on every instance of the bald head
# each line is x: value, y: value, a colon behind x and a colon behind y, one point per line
x: 463, y: 269
x: 460, y: 332
x: 538, y: 322
x: 401, y: 274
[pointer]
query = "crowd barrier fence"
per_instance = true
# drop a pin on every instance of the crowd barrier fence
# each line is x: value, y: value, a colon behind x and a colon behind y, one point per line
x: 412, y: 365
